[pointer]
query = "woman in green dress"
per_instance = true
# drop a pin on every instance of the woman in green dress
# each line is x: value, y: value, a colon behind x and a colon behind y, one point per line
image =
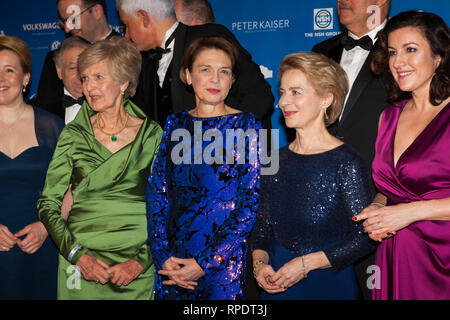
x: 106, y: 154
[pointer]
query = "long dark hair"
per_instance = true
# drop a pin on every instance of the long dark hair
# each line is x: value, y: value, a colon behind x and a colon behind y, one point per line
x: 436, y: 32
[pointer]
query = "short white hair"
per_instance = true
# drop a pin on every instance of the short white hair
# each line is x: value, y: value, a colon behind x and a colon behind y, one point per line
x: 159, y: 9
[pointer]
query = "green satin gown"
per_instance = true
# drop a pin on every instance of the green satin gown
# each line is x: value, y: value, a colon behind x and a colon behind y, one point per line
x: 108, y: 216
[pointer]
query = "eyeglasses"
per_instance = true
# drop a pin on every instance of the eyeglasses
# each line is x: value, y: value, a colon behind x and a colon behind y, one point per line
x: 62, y: 22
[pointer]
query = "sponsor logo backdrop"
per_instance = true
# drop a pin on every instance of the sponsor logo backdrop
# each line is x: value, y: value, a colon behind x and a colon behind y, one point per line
x: 268, y: 29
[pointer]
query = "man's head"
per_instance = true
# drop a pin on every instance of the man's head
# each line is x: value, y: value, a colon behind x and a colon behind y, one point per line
x: 146, y: 21
x: 360, y: 16
x: 66, y: 62
x: 83, y: 18
x: 194, y: 12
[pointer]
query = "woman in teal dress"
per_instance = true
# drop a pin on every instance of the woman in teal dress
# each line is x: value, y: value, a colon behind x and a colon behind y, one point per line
x: 106, y: 154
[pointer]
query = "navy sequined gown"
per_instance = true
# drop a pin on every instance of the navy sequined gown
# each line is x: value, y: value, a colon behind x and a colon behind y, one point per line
x: 307, y: 207
x: 200, y: 210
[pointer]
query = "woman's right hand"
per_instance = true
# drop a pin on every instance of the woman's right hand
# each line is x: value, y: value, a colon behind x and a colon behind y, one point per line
x: 369, y: 210
x: 170, y: 265
x: 93, y: 269
x: 263, y: 273
x: 7, y: 239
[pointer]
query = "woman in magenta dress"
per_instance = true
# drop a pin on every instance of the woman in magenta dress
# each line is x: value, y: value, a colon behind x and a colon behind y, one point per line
x: 410, y: 216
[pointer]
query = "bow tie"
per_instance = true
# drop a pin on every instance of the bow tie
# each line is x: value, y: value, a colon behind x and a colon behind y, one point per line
x: 68, y: 101
x: 349, y: 43
x: 156, y: 53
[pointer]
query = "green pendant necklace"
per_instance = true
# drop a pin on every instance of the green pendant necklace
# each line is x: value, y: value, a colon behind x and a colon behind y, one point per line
x: 113, y: 136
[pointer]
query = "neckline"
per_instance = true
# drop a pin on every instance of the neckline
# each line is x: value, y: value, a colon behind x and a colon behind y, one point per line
x: 20, y: 154
x: 35, y: 134
x: 128, y: 106
x: 315, y: 154
x: 413, y: 142
x: 215, y: 117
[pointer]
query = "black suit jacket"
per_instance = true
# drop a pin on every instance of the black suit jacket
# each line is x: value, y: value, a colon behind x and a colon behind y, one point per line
x: 250, y: 92
x: 358, y: 126
x: 51, y: 88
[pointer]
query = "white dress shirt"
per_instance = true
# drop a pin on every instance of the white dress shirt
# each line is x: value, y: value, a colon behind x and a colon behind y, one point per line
x: 72, y: 111
x: 353, y: 60
x: 167, y: 57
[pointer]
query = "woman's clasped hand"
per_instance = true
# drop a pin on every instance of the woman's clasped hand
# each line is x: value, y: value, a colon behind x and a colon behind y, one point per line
x: 94, y: 269
x: 182, y: 272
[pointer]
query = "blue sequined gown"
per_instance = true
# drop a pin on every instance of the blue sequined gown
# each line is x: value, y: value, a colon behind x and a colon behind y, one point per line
x: 307, y: 207
x: 203, y: 211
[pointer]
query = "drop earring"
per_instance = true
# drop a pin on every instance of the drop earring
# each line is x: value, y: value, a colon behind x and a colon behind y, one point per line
x: 326, y: 115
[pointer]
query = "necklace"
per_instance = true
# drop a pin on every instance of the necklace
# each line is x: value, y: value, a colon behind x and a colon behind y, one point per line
x: 113, y: 136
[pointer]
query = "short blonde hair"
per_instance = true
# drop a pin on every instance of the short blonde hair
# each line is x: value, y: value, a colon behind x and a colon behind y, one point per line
x: 124, y: 60
x: 324, y: 75
x: 20, y: 48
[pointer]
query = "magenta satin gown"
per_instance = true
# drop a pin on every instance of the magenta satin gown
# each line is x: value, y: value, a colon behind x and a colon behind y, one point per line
x: 415, y: 263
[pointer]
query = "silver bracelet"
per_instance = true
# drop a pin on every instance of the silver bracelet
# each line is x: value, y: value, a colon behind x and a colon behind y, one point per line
x: 304, y: 268
x: 73, y: 251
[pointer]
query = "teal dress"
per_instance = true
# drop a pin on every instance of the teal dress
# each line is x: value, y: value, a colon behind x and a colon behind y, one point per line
x: 108, y: 216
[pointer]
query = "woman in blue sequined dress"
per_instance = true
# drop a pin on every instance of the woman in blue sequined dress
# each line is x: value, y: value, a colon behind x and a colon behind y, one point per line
x: 304, y: 241
x: 202, y: 196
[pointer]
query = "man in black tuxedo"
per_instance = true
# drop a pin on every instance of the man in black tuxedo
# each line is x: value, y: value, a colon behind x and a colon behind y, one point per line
x: 194, y: 12
x: 358, y: 122
x: 84, y: 18
x: 160, y: 90
x: 66, y: 62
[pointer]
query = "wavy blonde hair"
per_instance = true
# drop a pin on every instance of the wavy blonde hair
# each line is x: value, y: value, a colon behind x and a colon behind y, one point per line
x: 324, y: 75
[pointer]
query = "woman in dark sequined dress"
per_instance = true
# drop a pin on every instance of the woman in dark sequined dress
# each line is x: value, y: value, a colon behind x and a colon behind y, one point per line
x: 201, y: 204
x: 305, y: 241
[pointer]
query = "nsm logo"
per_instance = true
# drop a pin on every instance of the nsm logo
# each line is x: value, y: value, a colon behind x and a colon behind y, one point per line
x: 323, y: 19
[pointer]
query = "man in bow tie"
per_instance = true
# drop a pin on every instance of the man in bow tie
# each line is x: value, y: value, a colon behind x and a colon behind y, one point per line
x: 66, y: 59
x: 83, y: 18
x: 358, y: 123
x: 194, y: 12
x: 153, y: 27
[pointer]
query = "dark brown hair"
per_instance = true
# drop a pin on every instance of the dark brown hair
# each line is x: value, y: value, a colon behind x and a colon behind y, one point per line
x: 200, y: 44
x: 436, y: 33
